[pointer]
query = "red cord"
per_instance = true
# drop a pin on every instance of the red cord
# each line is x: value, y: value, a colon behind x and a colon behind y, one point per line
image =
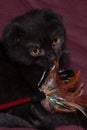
x: 14, y: 103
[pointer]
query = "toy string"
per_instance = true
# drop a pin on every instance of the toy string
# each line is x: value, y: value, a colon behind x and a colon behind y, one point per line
x: 21, y: 101
x: 14, y: 103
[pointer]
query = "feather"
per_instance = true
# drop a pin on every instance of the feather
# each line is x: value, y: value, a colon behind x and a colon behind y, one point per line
x: 61, y: 96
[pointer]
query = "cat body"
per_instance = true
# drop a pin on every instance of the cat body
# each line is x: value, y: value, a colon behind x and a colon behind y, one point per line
x: 29, y: 45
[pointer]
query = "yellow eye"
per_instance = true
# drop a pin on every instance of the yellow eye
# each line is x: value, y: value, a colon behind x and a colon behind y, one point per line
x: 35, y: 52
x: 56, y: 41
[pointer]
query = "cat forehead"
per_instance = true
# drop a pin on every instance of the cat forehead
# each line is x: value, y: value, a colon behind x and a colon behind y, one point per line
x: 39, y: 43
x: 39, y: 32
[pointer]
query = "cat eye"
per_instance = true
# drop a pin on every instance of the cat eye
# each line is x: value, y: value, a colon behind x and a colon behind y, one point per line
x: 56, y: 41
x: 35, y: 52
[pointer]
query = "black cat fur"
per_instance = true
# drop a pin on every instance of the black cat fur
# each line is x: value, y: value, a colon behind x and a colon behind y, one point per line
x: 20, y: 71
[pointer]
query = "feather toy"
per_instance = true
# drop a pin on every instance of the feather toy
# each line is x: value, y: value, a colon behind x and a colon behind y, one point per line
x: 63, y: 97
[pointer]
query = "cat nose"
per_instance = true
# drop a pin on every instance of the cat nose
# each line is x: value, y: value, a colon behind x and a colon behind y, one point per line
x: 51, y: 56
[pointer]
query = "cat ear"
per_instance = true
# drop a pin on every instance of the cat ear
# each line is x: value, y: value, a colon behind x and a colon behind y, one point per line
x: 60, y: 18
x: 12, y: 33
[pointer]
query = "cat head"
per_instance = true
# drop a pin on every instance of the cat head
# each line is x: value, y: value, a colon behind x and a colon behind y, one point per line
x: 36, y: 37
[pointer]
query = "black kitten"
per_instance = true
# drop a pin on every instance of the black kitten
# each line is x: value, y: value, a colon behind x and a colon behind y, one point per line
x: 37, y: 37
x: 29, y: 45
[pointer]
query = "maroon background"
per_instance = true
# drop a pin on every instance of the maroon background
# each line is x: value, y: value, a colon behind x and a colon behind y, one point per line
x: 75, y: 20
x: 59, y: 128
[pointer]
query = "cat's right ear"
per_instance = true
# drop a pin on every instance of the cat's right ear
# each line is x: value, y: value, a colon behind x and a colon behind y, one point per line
x: 12, y: 34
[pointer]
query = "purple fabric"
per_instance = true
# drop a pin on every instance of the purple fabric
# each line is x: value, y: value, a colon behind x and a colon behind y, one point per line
x: 59, y: 128
x: 75, y: 19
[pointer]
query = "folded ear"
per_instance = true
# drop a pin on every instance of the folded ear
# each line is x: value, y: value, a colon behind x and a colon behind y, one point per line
x: 12, y: 38
x: 49, y: 16
x: 13, y: 33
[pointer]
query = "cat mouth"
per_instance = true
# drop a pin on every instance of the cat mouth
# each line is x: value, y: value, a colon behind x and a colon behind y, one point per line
x: 45, y: 64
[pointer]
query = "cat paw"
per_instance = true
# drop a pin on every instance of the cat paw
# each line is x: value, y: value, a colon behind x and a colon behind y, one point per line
x: 66, y: 74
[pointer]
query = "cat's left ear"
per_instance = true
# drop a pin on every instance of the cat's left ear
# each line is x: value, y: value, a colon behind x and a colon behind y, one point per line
x: 60, y: 18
